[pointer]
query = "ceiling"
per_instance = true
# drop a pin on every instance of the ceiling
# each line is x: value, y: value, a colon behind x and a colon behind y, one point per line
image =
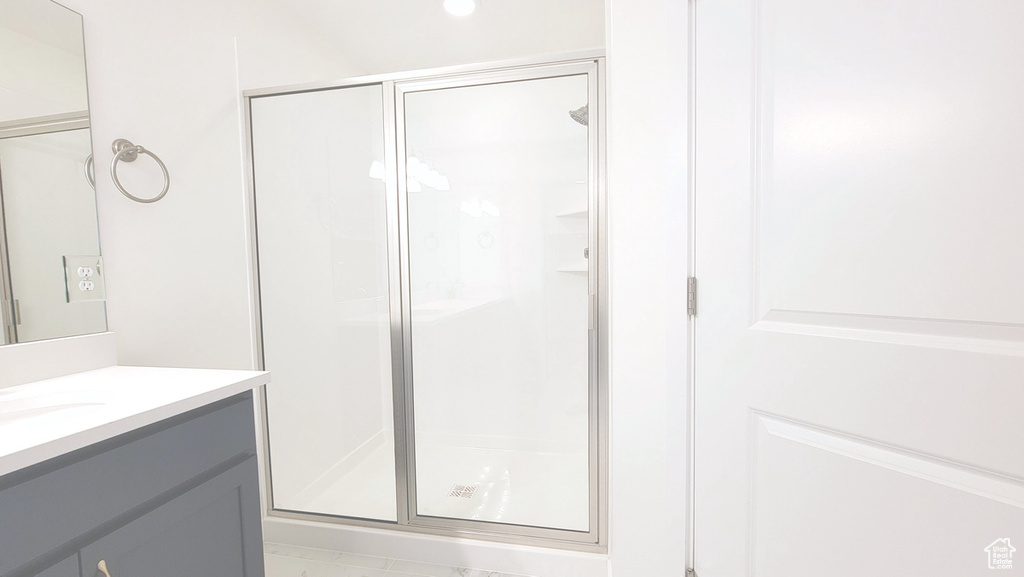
x: 378, y: 36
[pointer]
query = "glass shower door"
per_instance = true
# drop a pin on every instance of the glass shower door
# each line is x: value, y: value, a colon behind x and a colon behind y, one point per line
x: 320, y: 200
x: 498, y: 175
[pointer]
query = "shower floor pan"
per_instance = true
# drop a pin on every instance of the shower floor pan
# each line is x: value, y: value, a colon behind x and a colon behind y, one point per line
x: 538, y: 488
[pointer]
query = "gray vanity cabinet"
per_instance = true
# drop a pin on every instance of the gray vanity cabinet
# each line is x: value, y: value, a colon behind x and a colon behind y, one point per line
x: 197, y: 534
x: 66, y: 568
x: 180, y: 497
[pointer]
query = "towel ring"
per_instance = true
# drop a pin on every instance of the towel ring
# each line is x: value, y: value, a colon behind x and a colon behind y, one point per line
x: 128, y: 152
x: 90, y: 172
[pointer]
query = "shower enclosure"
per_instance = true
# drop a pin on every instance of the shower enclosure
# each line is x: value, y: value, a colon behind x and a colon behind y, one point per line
x: 430, y: 301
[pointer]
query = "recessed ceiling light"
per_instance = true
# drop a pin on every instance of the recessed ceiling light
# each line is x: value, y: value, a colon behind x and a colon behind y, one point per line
x: 460, y: 7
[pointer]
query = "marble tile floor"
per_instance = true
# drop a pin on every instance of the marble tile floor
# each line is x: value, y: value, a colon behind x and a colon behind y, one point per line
x: 291, y: 561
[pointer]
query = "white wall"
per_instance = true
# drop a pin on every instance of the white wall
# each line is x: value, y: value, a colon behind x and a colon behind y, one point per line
x: 647, y: 103
x: 168, y: 75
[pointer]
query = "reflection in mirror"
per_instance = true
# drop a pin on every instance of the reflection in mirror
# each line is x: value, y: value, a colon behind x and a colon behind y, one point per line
x: 52, y: 278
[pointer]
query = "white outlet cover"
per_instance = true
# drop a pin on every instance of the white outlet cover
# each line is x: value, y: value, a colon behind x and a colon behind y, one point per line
x: 88, y: 287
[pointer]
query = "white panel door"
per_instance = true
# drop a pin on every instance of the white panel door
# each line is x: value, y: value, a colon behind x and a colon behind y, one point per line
x: 860, y: 253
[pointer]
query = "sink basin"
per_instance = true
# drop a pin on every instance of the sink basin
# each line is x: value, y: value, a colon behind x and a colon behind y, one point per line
x: 14, y: 407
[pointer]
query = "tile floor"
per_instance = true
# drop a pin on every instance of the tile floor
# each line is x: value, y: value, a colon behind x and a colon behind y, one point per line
x: 290, y: 561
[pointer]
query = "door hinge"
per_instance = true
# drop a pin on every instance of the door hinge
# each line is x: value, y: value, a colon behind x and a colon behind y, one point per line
x: 690, y: 572
x: 691, y: 296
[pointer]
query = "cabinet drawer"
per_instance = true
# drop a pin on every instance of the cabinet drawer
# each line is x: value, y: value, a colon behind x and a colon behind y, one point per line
x: 51, y: 504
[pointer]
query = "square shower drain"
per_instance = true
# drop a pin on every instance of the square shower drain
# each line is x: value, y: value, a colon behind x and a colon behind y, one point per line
x: 464, y: 491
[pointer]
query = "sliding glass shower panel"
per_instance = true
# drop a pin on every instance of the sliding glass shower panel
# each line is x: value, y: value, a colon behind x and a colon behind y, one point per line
x: 497, y: 192
x: 318, y: 162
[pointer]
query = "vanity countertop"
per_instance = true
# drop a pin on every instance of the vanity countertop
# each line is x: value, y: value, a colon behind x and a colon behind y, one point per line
x: 45, y: 419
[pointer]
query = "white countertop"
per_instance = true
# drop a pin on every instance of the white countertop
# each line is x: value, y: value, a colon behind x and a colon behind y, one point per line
x: 45, y: 419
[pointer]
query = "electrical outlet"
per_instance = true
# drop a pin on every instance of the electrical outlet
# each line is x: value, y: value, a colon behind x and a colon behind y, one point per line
x: 83, y: 278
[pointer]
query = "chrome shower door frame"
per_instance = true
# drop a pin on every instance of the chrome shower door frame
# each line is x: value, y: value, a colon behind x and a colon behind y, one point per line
x: 395, y: 87
x: 402, y: 89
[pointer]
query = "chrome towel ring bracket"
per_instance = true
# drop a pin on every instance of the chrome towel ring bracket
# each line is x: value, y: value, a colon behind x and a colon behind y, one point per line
x: 128, y: 152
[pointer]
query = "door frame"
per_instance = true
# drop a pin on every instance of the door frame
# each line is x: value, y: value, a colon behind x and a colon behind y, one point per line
x: 691, y: 263
x: 394, y: 86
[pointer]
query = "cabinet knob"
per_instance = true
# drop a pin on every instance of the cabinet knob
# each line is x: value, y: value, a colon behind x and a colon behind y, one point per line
x: 102, y: 568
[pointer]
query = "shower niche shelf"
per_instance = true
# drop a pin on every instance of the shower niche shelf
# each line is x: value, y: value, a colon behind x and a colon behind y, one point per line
x: 580, y: 268
x: 572, y: 213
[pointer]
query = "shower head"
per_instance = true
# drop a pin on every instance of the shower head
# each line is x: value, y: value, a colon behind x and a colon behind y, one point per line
x: 580, y: 114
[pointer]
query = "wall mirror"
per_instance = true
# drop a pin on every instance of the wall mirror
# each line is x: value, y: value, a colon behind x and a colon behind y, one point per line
x: 52, y: 276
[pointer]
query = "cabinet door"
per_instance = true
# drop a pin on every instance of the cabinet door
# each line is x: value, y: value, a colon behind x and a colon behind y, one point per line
x: 212, y: 530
